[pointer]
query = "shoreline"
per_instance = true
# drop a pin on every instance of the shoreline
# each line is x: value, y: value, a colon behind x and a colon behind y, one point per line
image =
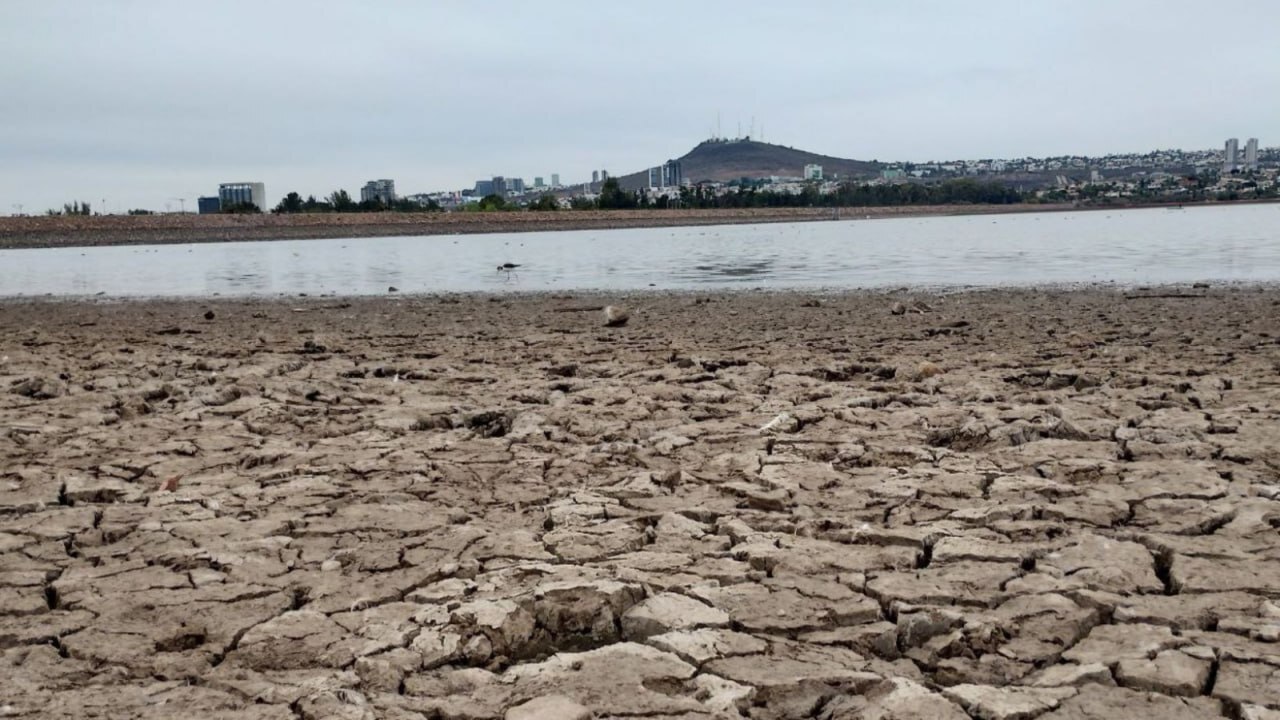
x: 437, y: 506
x: 111, y: 230
x: 32, y: 232
x: 1170, y: 290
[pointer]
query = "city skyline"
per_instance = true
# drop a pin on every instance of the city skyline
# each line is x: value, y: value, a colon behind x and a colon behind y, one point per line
x: 1245, y: 159
x: 139, y: 103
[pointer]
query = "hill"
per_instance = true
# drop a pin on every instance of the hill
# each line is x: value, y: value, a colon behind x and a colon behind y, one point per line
x: 725, y: 160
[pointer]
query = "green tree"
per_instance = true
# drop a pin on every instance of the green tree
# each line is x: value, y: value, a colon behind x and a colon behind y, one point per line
x: 312, y: 205
x: 492, y: 202
x: 613, y: 197
x: 546, y: 202
x: 340, y: 201
x: 292, y: 203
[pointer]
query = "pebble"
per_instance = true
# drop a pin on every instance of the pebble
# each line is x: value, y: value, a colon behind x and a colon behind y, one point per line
x: 615, y: 316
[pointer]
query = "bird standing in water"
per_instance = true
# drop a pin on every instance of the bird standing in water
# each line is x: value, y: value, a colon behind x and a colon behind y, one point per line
x: 507, y: 268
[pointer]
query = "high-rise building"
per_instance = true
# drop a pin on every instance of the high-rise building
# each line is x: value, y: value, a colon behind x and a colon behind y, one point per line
x: 243, y: 192
x: 383, y: 191
x: 555, y: 180
x: 669, y: 174
x: 1231, y: 155
x: 595, y: 176
x: 500, y: 186
x: 516, y: 186
x: 537, y: 182
x: 604, y: 175
x: 1251, y: 154
x: 672, y: 174
x: 812, y: 172
x: 483, y: 188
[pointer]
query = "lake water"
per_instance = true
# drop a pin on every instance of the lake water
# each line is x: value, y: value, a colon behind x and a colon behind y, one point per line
x: 1152, y: 246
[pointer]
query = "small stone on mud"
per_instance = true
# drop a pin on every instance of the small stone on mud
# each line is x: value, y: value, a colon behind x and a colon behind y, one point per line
x: 615, y: 316
x: 784, y: 422
x: 927, y: 369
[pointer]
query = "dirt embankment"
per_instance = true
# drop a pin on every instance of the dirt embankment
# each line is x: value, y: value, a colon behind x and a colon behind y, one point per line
x: 44, y: 231
x: 994, y: 505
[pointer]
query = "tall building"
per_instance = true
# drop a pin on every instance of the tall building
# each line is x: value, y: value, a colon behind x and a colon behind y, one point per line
x: 812, y: 172
x: 209, y: 205
x: 1231, y: 155
x: 516, y: 185
x: 672, y: 174
x: 1251, y: 154
x: 537, y: 182
x: 555, y: 180
x: 381, y: 190
x: 604, y: 175
x: 483, y: 188
x: 243, y: 192
x: 500, y: 186
x: 595, y: 176
x: 669, y: 174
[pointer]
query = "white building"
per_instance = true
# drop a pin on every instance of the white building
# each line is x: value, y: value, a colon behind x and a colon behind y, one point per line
x: 381, y: 190
x: 1231, y: 155
x: 812, y: 172
x: 230, y: 194
x: 1251, y: 154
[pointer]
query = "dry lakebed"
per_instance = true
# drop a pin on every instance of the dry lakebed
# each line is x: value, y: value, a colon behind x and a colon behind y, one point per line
x: 1000, y: 504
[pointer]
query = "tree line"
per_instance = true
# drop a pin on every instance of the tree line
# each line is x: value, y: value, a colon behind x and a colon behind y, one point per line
x: 849, y: 194
x: 76, y: 207
x: 339, y: 201
x: 750, y: 194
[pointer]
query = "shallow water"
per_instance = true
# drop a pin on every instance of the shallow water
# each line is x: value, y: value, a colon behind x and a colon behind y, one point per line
x: 1238, y: 243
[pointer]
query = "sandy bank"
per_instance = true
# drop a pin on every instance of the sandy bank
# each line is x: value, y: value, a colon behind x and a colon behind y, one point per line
x: 27, y: 232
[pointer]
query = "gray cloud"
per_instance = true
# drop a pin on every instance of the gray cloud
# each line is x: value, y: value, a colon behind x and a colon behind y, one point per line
x: 141, y: 101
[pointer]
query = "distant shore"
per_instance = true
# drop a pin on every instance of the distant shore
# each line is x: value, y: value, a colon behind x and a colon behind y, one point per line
x: 79, y: 231
x: 45, y: 231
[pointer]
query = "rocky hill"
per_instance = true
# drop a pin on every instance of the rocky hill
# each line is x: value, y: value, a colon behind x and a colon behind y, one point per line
x: 724, y: 160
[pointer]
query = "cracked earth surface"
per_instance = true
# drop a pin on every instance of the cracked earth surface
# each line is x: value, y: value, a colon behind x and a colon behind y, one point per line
x: 1017, y: 504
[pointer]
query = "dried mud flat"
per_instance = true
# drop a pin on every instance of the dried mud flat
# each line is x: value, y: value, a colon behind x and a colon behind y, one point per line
x: 1017, y: 504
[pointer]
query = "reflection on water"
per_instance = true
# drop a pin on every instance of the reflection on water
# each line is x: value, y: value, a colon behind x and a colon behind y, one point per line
x: 1240, y: 243
x: 729, y: 269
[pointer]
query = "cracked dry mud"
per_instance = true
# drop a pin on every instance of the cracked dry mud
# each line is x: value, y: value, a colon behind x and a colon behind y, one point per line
x: 1018, y: 504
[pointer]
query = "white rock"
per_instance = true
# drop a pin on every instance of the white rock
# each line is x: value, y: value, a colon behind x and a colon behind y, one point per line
x: 615, y: 316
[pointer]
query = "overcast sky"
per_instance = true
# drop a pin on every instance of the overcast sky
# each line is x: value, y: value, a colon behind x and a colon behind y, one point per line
x: 141, y: 102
